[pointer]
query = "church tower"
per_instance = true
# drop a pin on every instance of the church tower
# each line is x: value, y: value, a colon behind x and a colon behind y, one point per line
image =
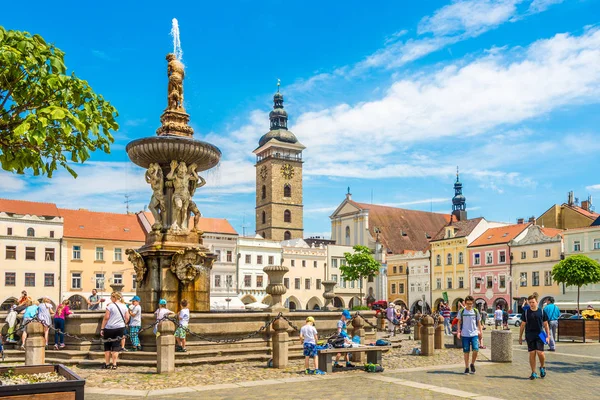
x: 279, y: 213
x: 459, y: 202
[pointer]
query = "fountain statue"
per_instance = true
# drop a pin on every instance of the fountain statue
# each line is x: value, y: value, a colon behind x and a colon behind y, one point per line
x: 173, y: 263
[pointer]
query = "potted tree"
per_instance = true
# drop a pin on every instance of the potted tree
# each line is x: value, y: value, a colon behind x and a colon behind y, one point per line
x: 577, y: 270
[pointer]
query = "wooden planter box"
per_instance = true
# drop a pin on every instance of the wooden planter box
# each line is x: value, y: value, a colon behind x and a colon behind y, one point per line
x: 71, y: 389
x: 579, y: 330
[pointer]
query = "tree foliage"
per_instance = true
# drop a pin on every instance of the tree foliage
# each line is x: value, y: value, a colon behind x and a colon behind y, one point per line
x: 47, y: 118
x: 577, y: 270
x: 360, y: 265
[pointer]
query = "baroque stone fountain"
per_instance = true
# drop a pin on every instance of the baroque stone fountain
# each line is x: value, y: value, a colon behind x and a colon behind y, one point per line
x: 173, y: 263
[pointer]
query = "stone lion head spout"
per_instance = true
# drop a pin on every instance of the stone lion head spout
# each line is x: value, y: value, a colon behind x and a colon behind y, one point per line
x: 187, y: 264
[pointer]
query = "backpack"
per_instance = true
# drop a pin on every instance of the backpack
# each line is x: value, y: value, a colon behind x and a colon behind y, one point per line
x: 382, y: 342
x: 477, y: 316
x: 336, y: 342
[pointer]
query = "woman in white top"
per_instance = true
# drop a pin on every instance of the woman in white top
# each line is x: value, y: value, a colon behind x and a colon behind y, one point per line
x: 44, y: 315
x: 115, y: 319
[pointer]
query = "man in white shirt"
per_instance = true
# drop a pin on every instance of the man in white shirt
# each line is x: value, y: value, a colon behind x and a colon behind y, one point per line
x: 498, y: 318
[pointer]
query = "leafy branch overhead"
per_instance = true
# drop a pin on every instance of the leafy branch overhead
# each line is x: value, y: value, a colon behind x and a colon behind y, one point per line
x: 360, y: 265
x: 47, y: 118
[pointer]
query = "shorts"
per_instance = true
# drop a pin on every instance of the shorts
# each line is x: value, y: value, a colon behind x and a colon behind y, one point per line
x: 180, y: 332
x: 114, y: 345
x: 535, y: 344
x: 470, y: 342
x: 498, y: 323
x: 310, y: 350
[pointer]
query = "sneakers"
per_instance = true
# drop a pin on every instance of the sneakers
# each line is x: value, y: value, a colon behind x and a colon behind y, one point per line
x: 336, y: 365
x: 349, y: 365
x: 466, y: 371
x: 62, y: 345
x: 55, y: 347
x: 308, y: 372
x: 472, y: 368
x: 551, y: 349
x: 319, y: 372
x: 542, y: 372
x: 533, y: 376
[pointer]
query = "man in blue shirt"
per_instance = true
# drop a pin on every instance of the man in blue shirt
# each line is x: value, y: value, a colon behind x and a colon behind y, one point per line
x: 552, y: 313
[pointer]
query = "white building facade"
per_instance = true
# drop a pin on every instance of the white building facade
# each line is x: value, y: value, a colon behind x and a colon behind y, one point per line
x: 307, y: 267
x: 255, y: 253
x: 419, y: 280
x: 223, y: 276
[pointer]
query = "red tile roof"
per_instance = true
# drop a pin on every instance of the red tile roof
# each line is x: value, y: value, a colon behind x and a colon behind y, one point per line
x: 402, y: 229
x: 208, y: 225
x: 590, y: 214
x: 29, y: 207
x: 500, y: 235
x: 463, y: 228
x: 551, y: 232
x: 102, y: 225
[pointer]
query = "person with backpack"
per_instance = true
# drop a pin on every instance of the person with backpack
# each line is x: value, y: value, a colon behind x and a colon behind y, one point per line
x: 537, y: 333
x: 469, y: 331
x: 552, y: 313
x: 113, y: 328
x: 342, y: 330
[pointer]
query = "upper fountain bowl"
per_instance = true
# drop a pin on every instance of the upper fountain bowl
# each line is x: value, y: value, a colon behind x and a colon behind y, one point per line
x: 164, y: 149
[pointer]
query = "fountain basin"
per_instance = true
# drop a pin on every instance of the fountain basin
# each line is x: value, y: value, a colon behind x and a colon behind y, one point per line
x: 164, y: 149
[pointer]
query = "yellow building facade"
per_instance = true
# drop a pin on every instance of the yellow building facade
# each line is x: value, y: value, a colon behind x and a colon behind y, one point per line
x: 569, y: 215
x: 397, y: 281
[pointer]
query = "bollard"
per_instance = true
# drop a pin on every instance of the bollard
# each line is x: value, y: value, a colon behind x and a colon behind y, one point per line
x: 439, y: 334
x: 427, y: 336
x: 380, y: 321
x: 502, y: 346
x: 280, y: 343
x: 358, y: 323
x: 165, y: 347
x: 35, y: 344
x: 418, y: 327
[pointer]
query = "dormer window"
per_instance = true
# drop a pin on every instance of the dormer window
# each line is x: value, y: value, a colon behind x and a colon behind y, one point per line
x: 449, y: 233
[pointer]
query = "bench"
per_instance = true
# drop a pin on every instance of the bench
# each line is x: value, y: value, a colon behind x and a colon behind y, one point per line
x: 373, y: 355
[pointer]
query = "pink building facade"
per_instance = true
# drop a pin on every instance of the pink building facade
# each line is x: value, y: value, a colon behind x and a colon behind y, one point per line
x: 489, y: 274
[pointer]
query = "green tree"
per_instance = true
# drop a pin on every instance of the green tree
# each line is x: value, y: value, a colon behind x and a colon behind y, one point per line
x: 360, y: 265
x: 47, y: 118
x: 577, y: 271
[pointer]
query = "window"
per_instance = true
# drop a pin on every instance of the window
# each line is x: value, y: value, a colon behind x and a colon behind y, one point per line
x: 287, y: 190
x: 29, y: 278
x: 438, y: 283
x: 134, y: 280
x: 99, y: 281
x: 502, y: 284
x: 476, y: 259
x: 118, y: 254
x: 523, y: 278
x: 489, y: 257
x: 393, y: 288
x: 248, y: 259
x: 352, y: 284
x: 535, y: 278
x: 523, y: 255
x: 477, y: 283
x: 259, y: 281
x: 11, y: 252
x: 287, y: 216
x: 577, y: 245
x: 596, y: 244
x: 343, y: 262
x: 30, y: 232
x: 502, y: 256
x: 304, y: 263
x: 461, y: 259
x: 287, y: 235
x: 76, y: 252
x: 9, y: 231
x: 217, y: 280
x: 490, y: 282
x: 229, y: 256
x: 271, y: 260
x: 259, y: 260
x: 334, y: 263
x: 342, y: 282
x: 412, y: 287
x: 10, y: 279
x: 547, y: 278
x: 449, y: 259
x: 30, y: 253
x: 49, y: 280
x: 286, y: 283
x: 347, y: 235
x: 307, y: 284
x: 118, y: 279
x: 75, y: 280
x: 438, y: 260
x: 461, y: 282
x: 293, y: 263
x: 394, y: 269
x: 247, y: 280
x: 401, y: 288
x: 51, y: 234
x: 449, y: 283
x: 549, y: 252
x: 218, y: 254
x: 370, y: 280
x: 318, y: 284
x: 334, y: 277
x: 229, y: 281
x: 400, y: 268
x: 297, y: 283
x: 535, y: 254
x: 315, y: 264
x: 99, y: 253
x: 264, y: 217
x: 263, y: 192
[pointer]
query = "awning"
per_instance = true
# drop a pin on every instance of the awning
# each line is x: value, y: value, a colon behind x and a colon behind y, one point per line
x: 221, y: 303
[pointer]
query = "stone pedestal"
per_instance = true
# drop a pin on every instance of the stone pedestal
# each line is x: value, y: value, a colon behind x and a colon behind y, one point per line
x: 328, y: 294
x: 276, y: 288
x: 439, y: 334
x: 35, y: 344
x: 427, y: 336
x: 358, y: 323
x: 418, y: 327
x: 165, y: 348
x: 501, y: 346
x: 381, y: 321
x: 280, y: 343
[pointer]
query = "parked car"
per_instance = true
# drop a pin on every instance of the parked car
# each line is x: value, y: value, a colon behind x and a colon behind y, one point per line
x: 379, y: 306
x: 490, y: 320
x: 514, y: 319
x: 565, y: 316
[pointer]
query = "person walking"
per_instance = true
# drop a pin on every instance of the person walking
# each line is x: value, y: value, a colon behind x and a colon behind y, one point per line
x: 62, y: 312
x: 469, y: 331
x: 390, y: 314
x: 498, y: 318
x: 535, y: 322
x: 552, y: 313
x: 113, y: 326
x: 445, y: 312
x: 135, y: 322
x: 309, y: 338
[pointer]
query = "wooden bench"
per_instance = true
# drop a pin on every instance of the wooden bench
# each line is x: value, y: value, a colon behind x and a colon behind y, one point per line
x: 373, y: 355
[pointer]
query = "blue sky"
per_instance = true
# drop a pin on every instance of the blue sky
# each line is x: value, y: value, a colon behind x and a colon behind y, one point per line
x: 387, y: 99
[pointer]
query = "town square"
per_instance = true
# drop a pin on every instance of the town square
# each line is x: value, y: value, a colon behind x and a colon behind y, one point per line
x: 299, y: 200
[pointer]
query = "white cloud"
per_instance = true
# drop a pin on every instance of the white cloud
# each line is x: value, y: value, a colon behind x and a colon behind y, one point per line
x: 593, y: 188
x: 537, y: 6
x: 10, y: 183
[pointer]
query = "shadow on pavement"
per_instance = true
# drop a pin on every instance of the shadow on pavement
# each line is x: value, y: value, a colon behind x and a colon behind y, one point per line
x: 564, y: 367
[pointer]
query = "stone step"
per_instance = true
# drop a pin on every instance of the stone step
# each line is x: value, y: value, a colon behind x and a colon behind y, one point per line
x: 206, y: 353
x: 181, y: 362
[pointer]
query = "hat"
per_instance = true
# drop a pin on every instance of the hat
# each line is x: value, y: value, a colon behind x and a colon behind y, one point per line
x: 590, y: 307
x: 310, y: 319
x: 162, y: 302
x: 135, y: 298
x: 346, y: 314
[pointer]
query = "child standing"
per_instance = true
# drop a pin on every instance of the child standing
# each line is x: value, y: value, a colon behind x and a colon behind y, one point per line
x: 11, y: 321
x: 180, y: 332
x: 309, y: 337
x: 62, y: 312
x: 160, y: 313
x: 342, y: 330
x: 45, y: 312
x: 135, y: 323
x: 30, y: 313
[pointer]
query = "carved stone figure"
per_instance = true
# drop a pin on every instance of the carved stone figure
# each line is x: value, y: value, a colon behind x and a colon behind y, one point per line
x: 139, y: 266
x: 175, y: 89
x: 188, y: 263
x: 196, y: 181
x: 180, y: 200
x: 154, y: 176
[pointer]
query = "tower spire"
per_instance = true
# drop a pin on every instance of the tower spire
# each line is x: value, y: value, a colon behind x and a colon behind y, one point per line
x: 459, y: 202
x: 278, y: 116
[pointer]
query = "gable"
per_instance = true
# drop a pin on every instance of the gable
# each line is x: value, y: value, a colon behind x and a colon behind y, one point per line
x: 347, y: 207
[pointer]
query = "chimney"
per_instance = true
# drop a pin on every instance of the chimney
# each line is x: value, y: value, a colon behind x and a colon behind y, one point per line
x: 571, y: 199
x: 532, y: 220
x: 585, y: 204
x: 521, y: 221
